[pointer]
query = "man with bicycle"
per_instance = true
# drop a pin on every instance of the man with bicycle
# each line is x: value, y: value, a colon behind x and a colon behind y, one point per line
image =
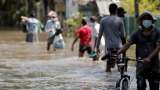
x: 147, y: 40
x: 112, y: 27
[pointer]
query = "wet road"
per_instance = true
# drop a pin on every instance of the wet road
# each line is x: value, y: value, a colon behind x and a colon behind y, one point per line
x: 27, y: 66
x: 57, y: 74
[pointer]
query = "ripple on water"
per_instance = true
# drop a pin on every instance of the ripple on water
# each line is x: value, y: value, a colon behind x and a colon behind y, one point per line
x: 27, y: 66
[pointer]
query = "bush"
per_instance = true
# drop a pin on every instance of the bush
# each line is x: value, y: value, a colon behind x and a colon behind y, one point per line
x: 72, y: 24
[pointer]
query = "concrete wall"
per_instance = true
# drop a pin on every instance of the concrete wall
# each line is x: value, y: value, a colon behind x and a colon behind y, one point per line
x: 103, y: 6
x: 71, y: 8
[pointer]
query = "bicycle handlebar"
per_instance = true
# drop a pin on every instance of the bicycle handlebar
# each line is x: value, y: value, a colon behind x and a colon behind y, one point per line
x: 115, y: 56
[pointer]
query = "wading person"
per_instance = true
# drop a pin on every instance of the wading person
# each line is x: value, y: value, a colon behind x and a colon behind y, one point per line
x: 121, y: 13
x: 112, y: 28
x: 147, y: 41
x: 84, y: 34
x: 95, y: 30
x: 54, y: 30
x: 33, y: 27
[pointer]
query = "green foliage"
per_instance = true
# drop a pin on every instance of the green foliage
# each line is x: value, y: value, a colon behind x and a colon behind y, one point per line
x: 128, y: 6
x: 11, y: 10
x: 144, y: 5
x: 73, y: 24
x: 149, y: 5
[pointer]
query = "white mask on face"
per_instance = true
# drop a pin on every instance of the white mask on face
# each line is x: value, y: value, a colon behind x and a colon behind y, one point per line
x: 147, y: 23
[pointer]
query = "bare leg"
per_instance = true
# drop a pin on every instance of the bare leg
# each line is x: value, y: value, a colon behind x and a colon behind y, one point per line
x: 49, y: 42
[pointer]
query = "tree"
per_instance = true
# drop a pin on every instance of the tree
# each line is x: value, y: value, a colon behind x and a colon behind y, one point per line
x: 149, y: 5
x: 11, y: 10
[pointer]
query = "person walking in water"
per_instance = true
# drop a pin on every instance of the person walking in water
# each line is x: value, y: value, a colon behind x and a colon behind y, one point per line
x: 121, y: 13
x: 54, y: 30
x: 95, y: 30
x: 147, y: 41
x: 33, y: 27
x: 112, y: 28
x: 85, y: 35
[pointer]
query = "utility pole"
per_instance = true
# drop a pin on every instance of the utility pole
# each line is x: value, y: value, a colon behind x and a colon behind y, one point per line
x: 136, y: 5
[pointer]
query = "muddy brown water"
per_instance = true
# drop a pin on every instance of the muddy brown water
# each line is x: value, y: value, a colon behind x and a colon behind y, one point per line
x: 28, y: 66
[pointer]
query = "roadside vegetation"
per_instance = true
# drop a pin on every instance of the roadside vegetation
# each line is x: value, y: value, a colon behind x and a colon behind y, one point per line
x: 149, y: 5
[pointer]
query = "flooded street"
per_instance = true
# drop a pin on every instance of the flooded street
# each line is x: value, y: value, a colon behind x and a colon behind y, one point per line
x: 28, y: 66
x: 66, y: 74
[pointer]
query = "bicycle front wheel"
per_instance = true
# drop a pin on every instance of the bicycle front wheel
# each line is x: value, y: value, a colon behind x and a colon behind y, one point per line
x: 124, y: 84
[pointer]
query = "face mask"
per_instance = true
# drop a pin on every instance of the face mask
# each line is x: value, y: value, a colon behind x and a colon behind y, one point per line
x: 147, y: 23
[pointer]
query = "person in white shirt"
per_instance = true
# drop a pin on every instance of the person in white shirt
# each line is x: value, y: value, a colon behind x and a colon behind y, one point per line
x: 52, y: 27
x: 95, y: 27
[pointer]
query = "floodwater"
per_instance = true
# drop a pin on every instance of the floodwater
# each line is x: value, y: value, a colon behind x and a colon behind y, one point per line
x: 28, y: 66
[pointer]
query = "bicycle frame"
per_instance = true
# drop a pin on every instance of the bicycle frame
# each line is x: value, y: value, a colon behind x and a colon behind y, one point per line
x: 124, y: 82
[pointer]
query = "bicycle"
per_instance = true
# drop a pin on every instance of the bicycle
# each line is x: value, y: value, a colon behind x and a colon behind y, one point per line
x: 124, y: 82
